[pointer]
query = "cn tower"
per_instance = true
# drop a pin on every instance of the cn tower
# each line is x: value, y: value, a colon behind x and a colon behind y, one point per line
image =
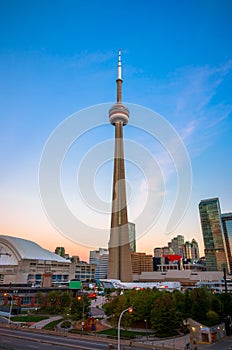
x: 119, y: 264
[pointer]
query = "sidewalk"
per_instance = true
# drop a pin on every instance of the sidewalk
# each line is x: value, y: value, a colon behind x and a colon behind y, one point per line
x: 41, y: 324
x: 222, y: 344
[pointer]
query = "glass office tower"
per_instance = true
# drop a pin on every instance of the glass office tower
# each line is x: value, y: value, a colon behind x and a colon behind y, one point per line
x: 227, y: 228
x: 215, y: 248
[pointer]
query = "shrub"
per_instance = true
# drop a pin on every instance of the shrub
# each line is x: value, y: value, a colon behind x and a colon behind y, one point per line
x: 66, y: 324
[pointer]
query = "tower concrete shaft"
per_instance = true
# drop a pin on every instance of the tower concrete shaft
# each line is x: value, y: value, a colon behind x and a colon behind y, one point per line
x: 119, y: 263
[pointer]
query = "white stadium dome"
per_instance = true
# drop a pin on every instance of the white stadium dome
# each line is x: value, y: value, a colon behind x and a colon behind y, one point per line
x: 13, y: 249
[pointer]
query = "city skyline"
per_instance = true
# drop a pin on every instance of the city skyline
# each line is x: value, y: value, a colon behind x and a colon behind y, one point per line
x: 55, y: 61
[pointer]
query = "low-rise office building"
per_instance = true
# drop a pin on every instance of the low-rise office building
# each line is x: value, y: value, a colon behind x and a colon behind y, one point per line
x: 187, y: 278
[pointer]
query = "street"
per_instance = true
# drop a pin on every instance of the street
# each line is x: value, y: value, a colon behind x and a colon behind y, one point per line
x: 28, y: 340
x: 31, y: 340
x: 222, y: 344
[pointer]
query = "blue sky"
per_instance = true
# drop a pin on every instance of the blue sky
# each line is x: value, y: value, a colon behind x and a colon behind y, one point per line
x: 58, y: 57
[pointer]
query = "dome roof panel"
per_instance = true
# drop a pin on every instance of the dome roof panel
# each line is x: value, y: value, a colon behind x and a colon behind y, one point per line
x: 30, y: 250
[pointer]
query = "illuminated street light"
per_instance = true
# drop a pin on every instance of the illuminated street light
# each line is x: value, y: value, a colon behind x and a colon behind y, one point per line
x: 129, y: 309
x: 80, y: 298
x: 146, y: 327
x: 11, y: 305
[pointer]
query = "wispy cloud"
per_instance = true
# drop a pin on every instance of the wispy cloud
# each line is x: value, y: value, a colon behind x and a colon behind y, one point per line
x: 197, y: 109
x: 194, y: 104
x: 87, y: 59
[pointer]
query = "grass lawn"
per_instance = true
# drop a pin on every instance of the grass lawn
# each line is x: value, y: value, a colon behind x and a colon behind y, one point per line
x: 28, y: 318
x: 51, y: 326
x: 126, y: 334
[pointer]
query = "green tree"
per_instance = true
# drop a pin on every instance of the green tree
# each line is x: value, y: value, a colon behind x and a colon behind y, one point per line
x: 116, y: 306
x: 65, y: 301
x: 109, y: 307
x: 179, y: 300
x: 226, y: 304
x: 165, y: 318
x: 201, y: 298
x: 80, y: 307
x: 42, y: 299
x: 54, y: 305
x: 216, y: 304
x: 142, y: 301
x: 212, y: 318
x: 187, y: 305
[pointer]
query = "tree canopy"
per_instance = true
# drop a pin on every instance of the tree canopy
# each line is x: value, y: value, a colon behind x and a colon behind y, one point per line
x: 165, y: 312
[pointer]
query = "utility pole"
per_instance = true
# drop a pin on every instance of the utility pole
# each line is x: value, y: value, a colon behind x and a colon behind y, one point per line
x: 225, y: 281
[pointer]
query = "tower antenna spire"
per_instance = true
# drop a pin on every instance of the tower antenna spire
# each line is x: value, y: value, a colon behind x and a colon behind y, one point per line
x: 119, y: 79
x: 119, y: 65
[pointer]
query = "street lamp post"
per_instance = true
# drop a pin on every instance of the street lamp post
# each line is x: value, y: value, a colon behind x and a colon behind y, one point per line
x: 146, y: 327
x: 129, y: 309
x: 83, y: 312
x: 11, y: 305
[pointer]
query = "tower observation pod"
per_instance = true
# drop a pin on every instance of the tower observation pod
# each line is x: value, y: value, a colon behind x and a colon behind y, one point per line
x: 119, y: 264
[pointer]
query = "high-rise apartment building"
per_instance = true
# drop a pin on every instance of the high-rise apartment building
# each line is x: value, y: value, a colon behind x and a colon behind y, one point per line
x: 100, y: 259
x: 186, y: 250
x: 190, y: 250
x: 227, y: 229
x: 195, y: 250
x: 176, y: 244
x: 215, y: 249
x: 160, y: 252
